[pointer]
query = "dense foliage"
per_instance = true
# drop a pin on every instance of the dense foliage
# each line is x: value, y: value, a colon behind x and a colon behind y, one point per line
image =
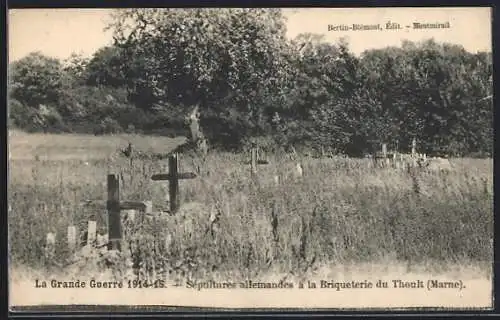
x: 251, y: 81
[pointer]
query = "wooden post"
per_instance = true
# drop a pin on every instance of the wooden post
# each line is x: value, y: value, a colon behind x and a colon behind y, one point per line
x: 50, y: 244
x: 50, y: 249
x: 384, y: 153
x: 71, y: 238
x: 168, y: 241
x: 414, y: 147
x: 91, y: 233
x: 253, y: 162
x: 173, y: 177
x: 113, y: 206
x: 173, y: 186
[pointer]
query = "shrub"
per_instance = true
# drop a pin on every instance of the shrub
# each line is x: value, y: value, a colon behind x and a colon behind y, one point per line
x: 108, y: 126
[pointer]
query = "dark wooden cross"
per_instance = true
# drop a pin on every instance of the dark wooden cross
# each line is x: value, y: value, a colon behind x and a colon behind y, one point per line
x: 173, y: 177
x: 114, y: 207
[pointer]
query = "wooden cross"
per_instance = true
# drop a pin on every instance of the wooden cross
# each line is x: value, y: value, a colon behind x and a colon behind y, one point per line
x: 114, y: 207
x: 173, y: 177
x: 254, y: 161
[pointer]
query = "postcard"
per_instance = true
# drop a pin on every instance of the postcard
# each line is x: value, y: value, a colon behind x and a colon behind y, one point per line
x: 263, y: 158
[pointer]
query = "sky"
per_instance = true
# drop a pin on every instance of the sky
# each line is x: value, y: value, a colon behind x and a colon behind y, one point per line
x: 61, y: 32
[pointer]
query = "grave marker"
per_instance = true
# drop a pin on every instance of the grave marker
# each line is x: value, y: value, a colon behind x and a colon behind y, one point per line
x: 91, y: 233
x: 173, y: 176
x: 254, y: 161
x: 113, y: 206
x: 71, y: 238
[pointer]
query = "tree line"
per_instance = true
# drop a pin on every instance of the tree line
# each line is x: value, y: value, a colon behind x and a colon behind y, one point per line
x: 252, y: 83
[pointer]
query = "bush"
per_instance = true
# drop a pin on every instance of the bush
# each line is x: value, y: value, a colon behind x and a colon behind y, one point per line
x: 21, y: 115
x: 108, y: 126
x: 44, y: 118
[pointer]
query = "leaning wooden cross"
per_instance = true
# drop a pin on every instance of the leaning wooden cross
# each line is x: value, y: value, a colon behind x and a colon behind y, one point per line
x: 173, y: 177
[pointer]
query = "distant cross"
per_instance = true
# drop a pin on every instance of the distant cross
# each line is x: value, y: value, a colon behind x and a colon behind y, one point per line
x: 414, y: 147
x: 173, y: 177
x: 254, y: 161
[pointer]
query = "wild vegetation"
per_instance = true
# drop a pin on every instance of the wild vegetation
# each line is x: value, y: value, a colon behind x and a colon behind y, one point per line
x: 342, y: 211
x: 252, y: 84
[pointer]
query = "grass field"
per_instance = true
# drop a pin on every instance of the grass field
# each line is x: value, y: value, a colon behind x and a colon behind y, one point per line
x: 340, y: 213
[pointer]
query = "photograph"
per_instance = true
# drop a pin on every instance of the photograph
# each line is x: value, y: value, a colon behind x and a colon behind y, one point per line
x: 250, y: 158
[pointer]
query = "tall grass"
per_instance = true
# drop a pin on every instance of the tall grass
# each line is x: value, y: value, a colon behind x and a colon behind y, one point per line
x: 340, y: 212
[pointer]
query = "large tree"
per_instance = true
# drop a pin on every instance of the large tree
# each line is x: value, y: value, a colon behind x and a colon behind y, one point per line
x: 432, y: 92
x: 35, y: 79
x: 35, y: 85
x: 229, y: 61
